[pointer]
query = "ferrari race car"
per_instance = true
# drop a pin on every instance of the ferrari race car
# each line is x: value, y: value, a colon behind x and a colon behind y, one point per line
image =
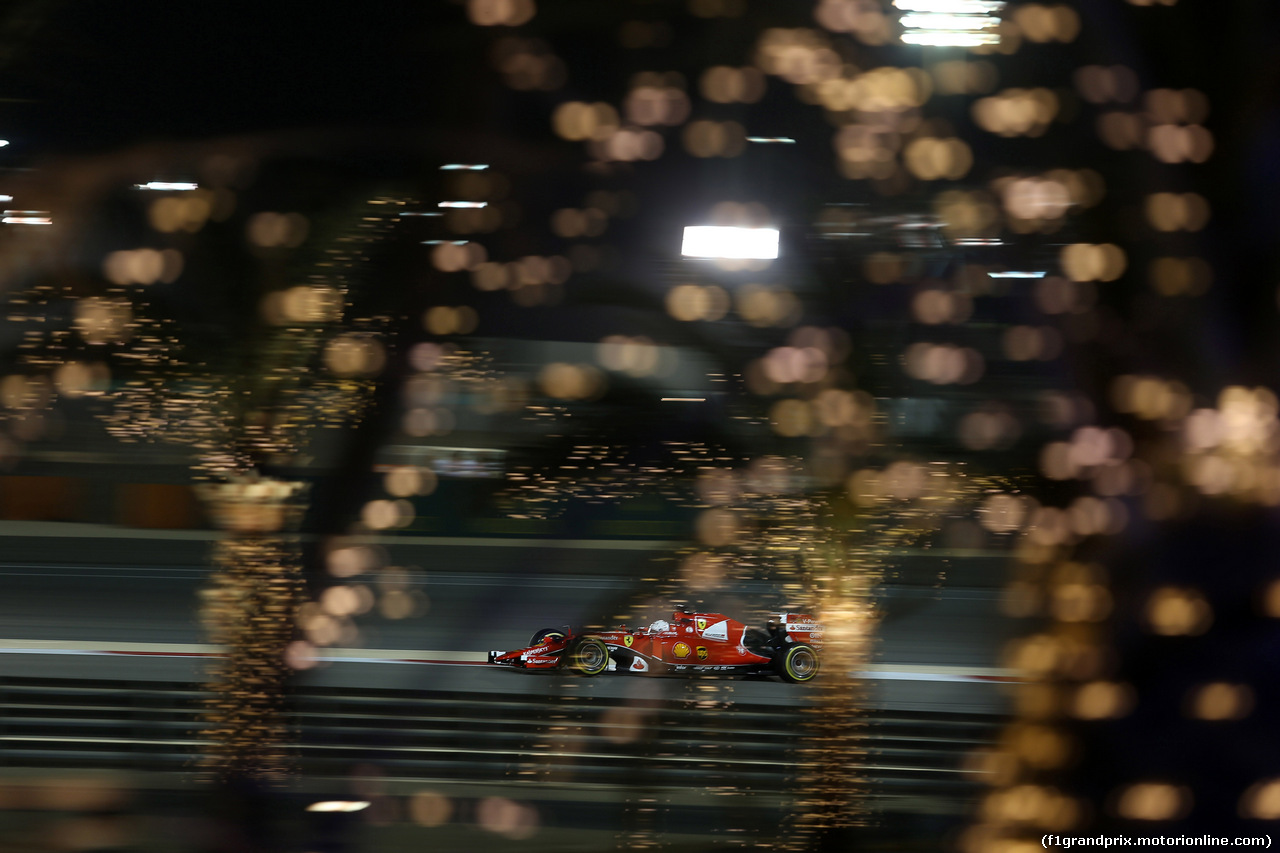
x: 691, y: 643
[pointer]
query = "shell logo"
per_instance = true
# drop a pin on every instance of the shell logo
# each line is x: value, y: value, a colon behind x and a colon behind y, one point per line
x: 680, y: 650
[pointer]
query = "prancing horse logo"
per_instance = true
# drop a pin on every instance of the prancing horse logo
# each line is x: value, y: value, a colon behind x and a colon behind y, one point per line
x: 702, y: 625
x: 628, y: 640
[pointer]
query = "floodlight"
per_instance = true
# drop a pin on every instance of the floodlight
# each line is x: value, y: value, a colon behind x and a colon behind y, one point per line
x: 168, y: 186
x: 338, y: 806
x: 718, y: 241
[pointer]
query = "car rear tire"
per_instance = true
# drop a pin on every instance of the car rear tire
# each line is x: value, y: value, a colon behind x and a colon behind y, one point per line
x: 798, y: 663
x: 554, y: 633
x: 587, y: 656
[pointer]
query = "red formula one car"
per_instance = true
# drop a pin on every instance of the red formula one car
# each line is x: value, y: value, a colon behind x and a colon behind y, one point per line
x: 689, y: 644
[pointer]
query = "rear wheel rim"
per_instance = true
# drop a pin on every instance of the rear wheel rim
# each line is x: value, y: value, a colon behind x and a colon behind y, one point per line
x: 802, y: 664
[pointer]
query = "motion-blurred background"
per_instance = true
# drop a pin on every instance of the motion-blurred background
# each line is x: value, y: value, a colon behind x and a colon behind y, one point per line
x: 344, y: 343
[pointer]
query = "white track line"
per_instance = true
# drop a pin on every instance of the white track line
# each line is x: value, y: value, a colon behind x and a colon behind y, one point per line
x: 875, y: 672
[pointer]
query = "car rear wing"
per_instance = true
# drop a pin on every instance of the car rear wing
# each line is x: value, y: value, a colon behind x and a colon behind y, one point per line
x: 799, y: 627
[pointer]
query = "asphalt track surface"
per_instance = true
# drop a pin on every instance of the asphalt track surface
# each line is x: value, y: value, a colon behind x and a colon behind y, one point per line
x: 112, y: 603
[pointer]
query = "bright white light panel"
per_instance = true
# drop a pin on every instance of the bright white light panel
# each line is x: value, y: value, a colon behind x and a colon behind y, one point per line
x: 718, y: 241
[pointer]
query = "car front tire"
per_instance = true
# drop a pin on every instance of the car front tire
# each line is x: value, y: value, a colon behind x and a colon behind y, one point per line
x: 544, y: 633
x: 588, y: 656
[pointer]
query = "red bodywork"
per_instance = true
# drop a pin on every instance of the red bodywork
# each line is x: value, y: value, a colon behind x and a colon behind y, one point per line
x: 690, y: 643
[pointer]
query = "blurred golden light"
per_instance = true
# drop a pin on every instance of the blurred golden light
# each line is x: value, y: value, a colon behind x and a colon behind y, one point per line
x: 1179, y: 276
x: 405, y: 481
x: 339, y: 601
x: 1002, y: 513
x: 453, y: 257
x: 1121, y: 131
x: 690, y: 302
x: 385, y: 514
x: 1080, y: 602
x: 101, y: 319
x: 1098, y: 84
x: 764, y: 306
x: 1039, y: 746
x: 506, y: 13
x: 1153, y: 801
x: 943, y: 364
x: 791, y: 418
x: 835, y: 407
x: 903, y: 480
x: 396, y: 604
x: 420, y: 422
x: 961, y: 77
x: 1048, y: 526
x: 354, y: 355
x: 1016, y: 112
x: 576, y: 120
x: 188, y: 212
x: 1088, y: 262
x: 1220, y: 701
x: 566, y: 222
x: 1090, y: 516
x: 1047, y: 23
x: 1036, y: 656
x: 75, y: 379
x: 1024, y: 343
x: 273, y: 230
x: 489, y: 276
x: 1057, y: 461
x: 430, y: 809
x: 300, y: 655
x: 507, y: 818
x: 1261, y: 801
x: 634, y: 35
x: 637, y: 356
x: 966, y: 214
x: 706, y: 138
x: 786, y: 365
x: 1172, y: 143
x: 1101, y: 700
x: 932, y: 306
x: 1271, y: 600
x: 352, y: 560
x: 718, y: 486
x: 1173, y: 611
x: 628, y: 144
x: 142, y: 266
x: 1151, y: 398
x: 988, y: 428
x: 884, y: 267
x: 717, y: 527
x: 724, y: 85
x: 863, y: 487
x: 309, y: 304
x: 1177, y: 211
x: 571, y: 381
x: 1035, y: 198
x: 930, y: 159
x: 448, y: 320
x: 24, y: 392
x: 323, y: 630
